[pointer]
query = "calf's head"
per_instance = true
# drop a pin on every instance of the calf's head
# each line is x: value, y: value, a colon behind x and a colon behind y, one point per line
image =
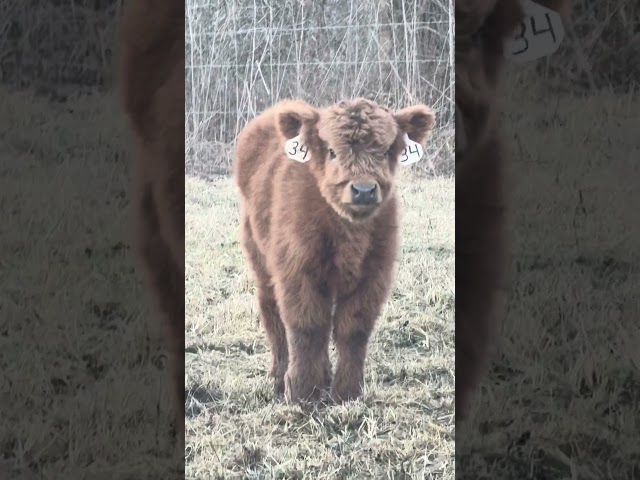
x: 354, y: 149
x: 482, y: 26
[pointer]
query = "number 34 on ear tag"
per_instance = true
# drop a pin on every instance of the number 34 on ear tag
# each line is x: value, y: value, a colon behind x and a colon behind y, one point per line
x: 539, y: 34
x: 297, y: 150
x: 411, y: 153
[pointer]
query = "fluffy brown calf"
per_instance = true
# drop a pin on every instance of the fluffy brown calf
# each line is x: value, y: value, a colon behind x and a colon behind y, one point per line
x: 321, y: 236
x: 152, y: 90
x: 481, y: 249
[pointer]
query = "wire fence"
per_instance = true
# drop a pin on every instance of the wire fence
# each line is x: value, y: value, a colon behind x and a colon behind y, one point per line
x: 243, y: 56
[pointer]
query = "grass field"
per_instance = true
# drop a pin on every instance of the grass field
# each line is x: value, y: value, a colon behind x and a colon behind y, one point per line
x: 562, y: 401
x: 564, y: 395
x: 403, y: 425
x: 82, y: 390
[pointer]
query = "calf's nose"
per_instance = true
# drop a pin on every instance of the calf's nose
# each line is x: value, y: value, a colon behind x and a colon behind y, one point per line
x: 363, y: 193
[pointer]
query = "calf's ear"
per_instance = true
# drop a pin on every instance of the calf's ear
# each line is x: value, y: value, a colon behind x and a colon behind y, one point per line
x: 563, y: 7
x: 416, y: 121
x: 291, y: 115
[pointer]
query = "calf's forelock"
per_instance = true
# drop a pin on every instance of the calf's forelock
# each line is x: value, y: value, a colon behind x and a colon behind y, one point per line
x: 360, y: 126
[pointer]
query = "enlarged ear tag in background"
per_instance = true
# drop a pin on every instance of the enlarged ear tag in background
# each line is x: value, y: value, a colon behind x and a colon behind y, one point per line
x: 411, y: 153
x: 297, y: 150
x: 539, y: 34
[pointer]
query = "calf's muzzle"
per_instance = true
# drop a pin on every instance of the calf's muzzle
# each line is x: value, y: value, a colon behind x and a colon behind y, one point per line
x: 364, y: 193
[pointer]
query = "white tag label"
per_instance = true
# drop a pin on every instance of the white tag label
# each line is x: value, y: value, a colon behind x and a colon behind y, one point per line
x: 539, y: 34
x: 411, y: 153
x: 297, y: 150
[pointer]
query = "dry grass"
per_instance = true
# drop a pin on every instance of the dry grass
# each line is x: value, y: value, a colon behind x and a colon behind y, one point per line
x: 563, y: 398
x: 404, y: 423
x: 601, y: 47
x: 82, y: 390
x: 58, y: 46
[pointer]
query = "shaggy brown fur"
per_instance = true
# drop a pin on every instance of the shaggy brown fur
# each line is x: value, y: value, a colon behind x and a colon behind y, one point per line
x: 312, y: 249
x: 152, y: 88
x: 481, y: 250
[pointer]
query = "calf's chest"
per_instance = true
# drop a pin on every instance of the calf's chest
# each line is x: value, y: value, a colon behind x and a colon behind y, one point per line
x: 343, y: 257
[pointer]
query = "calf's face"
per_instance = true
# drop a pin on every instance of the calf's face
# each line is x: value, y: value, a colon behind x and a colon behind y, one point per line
x: 355, y: 149
x: 481, y: 29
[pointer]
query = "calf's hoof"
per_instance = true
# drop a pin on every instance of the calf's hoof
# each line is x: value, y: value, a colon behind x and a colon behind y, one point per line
x: 277, y: 374
x: 345, y: 391
x: 299, y: 388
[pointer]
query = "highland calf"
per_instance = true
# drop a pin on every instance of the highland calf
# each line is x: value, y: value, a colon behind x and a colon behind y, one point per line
x: 481, y: 248
x: 321, y: 233
x: 152, y: 91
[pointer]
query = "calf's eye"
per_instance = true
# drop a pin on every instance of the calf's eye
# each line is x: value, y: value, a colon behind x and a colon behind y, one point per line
x: 332, y: 154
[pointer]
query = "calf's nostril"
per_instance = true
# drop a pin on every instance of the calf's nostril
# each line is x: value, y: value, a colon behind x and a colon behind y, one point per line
x: 363, y: 187
x: 363, y: 192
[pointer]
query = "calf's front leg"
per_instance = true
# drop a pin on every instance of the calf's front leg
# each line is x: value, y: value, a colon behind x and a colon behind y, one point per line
x: 354, y: 321
x: 269, y: 314
x: 306, y: 313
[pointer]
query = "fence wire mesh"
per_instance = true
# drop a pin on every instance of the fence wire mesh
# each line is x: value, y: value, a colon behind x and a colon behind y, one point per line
x: 244, y: 56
